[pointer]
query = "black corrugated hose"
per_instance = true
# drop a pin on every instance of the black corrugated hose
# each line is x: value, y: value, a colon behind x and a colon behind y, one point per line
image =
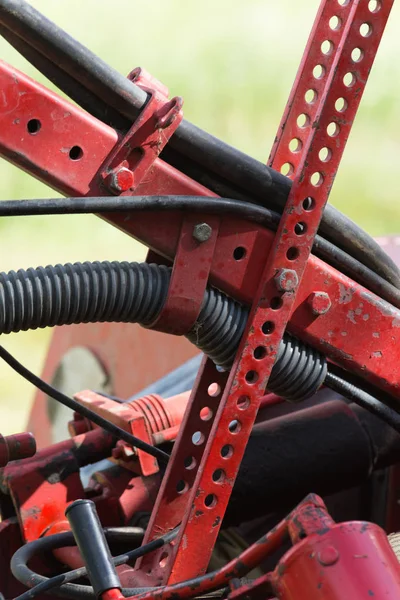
x: 135, y: 293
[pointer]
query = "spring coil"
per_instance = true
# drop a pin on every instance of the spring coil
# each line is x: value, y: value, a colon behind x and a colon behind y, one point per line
x: 126, y: 292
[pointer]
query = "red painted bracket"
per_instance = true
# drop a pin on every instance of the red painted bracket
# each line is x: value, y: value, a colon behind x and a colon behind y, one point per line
x: 190, y: 274
x: 130, y: 160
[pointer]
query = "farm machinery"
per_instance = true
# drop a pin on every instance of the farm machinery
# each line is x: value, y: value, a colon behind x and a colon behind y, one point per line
x: 242, y: 440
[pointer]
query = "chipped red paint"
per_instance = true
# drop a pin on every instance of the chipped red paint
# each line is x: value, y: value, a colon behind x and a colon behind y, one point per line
x: 200, y: 516
x: 277, y: 277
x: 16, y: 447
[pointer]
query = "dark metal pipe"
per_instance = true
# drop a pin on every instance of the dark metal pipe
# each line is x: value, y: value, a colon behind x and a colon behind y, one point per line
x: 327, y: 448
x: 262, y: 184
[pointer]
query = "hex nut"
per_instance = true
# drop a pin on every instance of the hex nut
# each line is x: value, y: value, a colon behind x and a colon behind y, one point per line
x: 319, y: 302
x: 286, y: 280
x: 202, y: 232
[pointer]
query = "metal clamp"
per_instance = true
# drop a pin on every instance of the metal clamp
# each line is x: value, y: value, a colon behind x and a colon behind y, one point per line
x: 136, y: 152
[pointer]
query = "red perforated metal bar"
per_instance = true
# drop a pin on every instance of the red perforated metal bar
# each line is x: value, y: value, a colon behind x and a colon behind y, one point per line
x: 208, y: 498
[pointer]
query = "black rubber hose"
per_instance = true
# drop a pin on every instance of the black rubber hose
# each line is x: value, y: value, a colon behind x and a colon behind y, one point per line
x: 112, y: 292
x: 39, y: 583
x: 260, y: 182
x: 67, y: 84
x: 135, y: 293
x: 74, y: 405
x: 363, y: 398
x: 250, y: 212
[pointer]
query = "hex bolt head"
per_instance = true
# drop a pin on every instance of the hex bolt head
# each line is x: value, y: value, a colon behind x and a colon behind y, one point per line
x: 286, y: 280
x: 319, y: 303
x: 121, y: 180
x: 202, y: 232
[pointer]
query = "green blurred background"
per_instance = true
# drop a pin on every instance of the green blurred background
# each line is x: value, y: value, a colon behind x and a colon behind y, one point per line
x: 234, y: 63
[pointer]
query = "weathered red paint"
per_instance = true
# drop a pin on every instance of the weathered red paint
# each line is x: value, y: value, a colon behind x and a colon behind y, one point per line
x: 273, y: 303
x: 277, y: 277
x: 16, y: 447
x: 148, y: 418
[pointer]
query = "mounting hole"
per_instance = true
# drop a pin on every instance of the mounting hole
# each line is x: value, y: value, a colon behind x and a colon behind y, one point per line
x: 198, y: 438
x: 292, y: 253
x: 343, y: 2
x: 357, y: 55
x: 310, y: 96
x: 374, y: 6
x: 239, y: 253
x: 218, y: 476
x: 76, y: 153
x: 308, y: 203
x: 251, y: 376
x: 295, y: 145
x: 227, y: 451
x: 303, y: 120
x: 268, y: 327
x: 189, y: 463
x: 243, y: 402
x: 349, y: 79
x: 33, y: 126
x: 341, y: 105
x: 260, y: 352
x: 327, y: 47
x: 333, y: 129
x: 318, y: 71
x: 316, y: 179
x: 366, y: 29
x: 181, y: 486
x: 325, y: 154
x: 276, y: 303
x: 214, y: 390
x: 335, y: 23
x: 287, y: 169
x: 163, y: 560
x: 235, y: 426
x: 206, y: 413
x: 210, y: 500
x: 300, y: 228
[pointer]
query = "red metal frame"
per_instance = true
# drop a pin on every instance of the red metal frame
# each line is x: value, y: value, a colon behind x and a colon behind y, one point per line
x: 276, y: 274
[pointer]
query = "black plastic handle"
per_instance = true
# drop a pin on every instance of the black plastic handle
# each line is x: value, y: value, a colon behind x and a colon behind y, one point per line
x: 92, y: 544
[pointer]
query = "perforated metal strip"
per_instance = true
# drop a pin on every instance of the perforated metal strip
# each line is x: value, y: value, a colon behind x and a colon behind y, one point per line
x: 203, y: 501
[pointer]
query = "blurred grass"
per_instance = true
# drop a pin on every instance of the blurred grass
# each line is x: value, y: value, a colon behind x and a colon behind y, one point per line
x: 234, y: 63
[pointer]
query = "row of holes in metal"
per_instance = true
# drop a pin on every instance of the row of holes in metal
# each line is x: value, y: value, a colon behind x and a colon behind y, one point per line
x: 268, y: 327
x: 292, y: 254
x: 349, y: 79
x: 35, y: 125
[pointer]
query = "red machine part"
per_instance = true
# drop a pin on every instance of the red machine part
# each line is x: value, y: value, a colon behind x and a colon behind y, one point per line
x: 328, y: 560
x: 16, y: 447
x: 149, y: 418
x: 352, y: 304
x: 275, y: 274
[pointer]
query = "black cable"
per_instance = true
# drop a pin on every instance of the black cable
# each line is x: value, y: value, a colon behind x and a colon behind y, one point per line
x: 362, y: 398
x: 81, y: 409
x: 193, y: 144
x: 39, y: 583
x: 250, y: 212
